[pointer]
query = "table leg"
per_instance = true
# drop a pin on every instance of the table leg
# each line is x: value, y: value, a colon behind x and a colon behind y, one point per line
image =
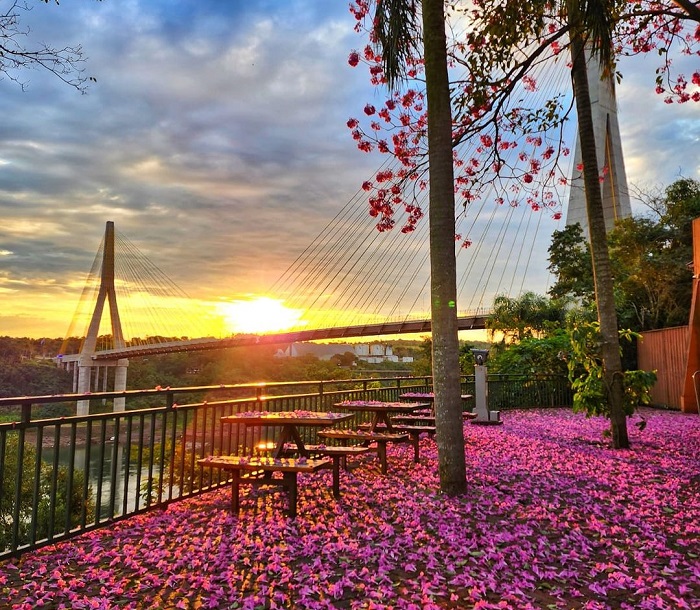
x: 336, y: 475
x: 235, y: 488
x: 381, y: 452
x: 290, y: 482
x: 290, y: 433
x: 415, y: 439
x: 381, y: 418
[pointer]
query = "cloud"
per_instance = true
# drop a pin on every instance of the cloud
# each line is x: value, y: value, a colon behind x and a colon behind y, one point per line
x: 215, y: 139
x: 660, y: 141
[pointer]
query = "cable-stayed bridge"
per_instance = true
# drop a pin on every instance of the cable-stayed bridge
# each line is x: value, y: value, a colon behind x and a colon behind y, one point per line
x: 103, y: 357
x: 351, y: 281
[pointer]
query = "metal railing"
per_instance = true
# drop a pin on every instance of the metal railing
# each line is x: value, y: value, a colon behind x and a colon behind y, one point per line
x: 66, y: 475
x: 63, y: 476
x: 521, y: 391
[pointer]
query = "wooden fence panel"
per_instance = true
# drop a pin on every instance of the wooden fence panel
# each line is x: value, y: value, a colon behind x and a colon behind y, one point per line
x: 665, y: 351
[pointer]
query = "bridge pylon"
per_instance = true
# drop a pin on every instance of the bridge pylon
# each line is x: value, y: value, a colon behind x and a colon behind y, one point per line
x: 88, y: 374
x: 616, y: 199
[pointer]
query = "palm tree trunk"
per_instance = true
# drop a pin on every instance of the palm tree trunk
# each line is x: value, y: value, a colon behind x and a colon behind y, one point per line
x: 443, y: 266
x: 602, y: 273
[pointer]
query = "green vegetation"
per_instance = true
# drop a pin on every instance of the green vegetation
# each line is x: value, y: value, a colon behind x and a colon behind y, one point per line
x: 27, y: 369
x: 53, y: 505
x: 649, y: 254
x: 586, y: 373
x: 558, y: 335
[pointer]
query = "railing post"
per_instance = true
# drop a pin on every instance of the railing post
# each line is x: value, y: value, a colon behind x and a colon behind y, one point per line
x: 26, y: 413
x: 26, y: 416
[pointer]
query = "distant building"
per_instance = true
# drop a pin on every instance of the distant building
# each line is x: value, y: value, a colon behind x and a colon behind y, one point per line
x: 322, y: 351
x: 374, y: 353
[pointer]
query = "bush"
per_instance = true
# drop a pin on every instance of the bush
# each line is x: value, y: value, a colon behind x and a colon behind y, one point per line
x: 51, y: 512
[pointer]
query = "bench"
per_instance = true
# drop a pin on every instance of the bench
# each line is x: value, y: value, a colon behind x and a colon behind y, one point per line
x: 380, y: 438
x: 367, y: 427
x: 415, y: 430
x: 338, y: 453
x: 414, y: 419
x: 427, y: 416
x: 259, y: 470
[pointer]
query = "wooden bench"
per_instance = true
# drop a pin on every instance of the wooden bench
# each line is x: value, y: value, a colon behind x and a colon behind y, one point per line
x: 427, y: 420
x: 380, y: 438
x: 338, y: 453
x: 425, y: 416
x: 415, y: 430
x: 426, y: 412
x: 259, y: 470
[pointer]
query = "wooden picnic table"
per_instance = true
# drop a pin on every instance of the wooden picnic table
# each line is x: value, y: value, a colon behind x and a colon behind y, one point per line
x: 289, y: 421
x: 381, y: 411
x: 259, y: 471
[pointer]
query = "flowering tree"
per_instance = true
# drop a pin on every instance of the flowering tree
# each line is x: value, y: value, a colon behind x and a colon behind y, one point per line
x: 503, y: 140
x: 517, y: 147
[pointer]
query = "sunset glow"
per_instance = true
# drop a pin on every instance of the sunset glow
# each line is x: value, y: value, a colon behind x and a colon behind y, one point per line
x: 259, y: 315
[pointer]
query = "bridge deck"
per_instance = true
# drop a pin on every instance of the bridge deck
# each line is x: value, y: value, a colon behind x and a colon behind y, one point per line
x: 476, y: 322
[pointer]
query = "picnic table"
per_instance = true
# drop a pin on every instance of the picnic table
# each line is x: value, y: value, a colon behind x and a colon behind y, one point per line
x: 381, y: 411
x: 289, y: 421
x: 380, y: 431
x: 260, y: 470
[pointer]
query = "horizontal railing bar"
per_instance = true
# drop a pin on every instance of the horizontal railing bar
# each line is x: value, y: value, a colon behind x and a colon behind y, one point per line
x: 53, y: 398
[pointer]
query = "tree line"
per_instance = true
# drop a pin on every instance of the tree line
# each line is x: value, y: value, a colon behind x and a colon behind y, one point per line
x: 557, y: 333
x: 27, y: 367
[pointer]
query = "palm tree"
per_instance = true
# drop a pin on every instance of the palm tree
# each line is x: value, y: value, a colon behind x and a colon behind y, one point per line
x: 529, y: 315
x: 397, y: 31
x: 590, y: 26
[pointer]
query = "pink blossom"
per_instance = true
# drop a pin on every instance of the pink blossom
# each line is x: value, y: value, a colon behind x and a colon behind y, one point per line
x: 552, y: 517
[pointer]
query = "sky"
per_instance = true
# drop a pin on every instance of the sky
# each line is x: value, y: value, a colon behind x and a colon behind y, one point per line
x: 215, y: 139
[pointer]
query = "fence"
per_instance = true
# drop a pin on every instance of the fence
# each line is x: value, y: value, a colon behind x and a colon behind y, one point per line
x: 63, y: 476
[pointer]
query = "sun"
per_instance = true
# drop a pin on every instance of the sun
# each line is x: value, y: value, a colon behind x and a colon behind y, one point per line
x: 259, y: 315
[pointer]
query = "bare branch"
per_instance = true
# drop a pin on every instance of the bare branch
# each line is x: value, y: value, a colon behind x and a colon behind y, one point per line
x: 66, y: 63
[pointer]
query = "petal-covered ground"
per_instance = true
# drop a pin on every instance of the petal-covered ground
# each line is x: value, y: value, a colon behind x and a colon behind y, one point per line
x: 553, y: 518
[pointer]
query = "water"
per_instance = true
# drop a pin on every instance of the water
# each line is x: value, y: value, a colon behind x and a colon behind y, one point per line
x: 123, y: 493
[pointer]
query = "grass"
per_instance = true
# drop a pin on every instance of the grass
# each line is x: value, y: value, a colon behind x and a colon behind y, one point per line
x: 553, y: 519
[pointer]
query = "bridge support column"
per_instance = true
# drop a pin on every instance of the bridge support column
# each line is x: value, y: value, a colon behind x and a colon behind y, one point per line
x: 120, y: 383
x: 614, y: 190
x: 106, y: 294
x: 84, y: 366
x: 74, y: 369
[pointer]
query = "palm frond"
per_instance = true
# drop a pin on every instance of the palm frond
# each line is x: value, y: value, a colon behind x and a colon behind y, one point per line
x: 396, y: 31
